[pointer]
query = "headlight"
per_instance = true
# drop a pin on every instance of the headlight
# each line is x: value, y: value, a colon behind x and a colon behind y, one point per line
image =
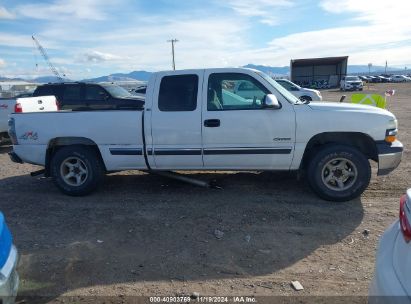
x: 393, y: 124
x: 392, y: 131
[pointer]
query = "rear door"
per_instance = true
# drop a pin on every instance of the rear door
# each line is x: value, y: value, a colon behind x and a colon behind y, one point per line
x: 72, y: 97
x: 97, y: 98
x: 176, y: 121
x: 238, y: 133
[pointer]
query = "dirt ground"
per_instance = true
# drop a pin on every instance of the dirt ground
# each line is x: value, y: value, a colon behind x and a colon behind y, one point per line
x: 144, y: 235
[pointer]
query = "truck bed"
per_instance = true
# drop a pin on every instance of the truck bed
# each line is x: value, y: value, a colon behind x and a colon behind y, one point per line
x: 118, y: 135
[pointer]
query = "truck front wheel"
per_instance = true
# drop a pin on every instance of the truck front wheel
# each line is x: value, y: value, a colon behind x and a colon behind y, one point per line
x: 339, y: 173
x: 77, y: 170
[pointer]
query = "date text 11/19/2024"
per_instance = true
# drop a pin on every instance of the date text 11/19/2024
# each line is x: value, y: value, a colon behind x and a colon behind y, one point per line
x: 203, y: 299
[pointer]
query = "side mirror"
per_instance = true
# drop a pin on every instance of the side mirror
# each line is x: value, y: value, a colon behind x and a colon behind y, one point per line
x: 270, y: 101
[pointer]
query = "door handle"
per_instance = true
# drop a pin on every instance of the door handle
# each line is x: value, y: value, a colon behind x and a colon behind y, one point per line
x: 212, y: 123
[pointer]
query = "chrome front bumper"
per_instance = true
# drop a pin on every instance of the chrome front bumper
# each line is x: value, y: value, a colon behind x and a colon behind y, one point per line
x: 389, y: 156
x: 9, y: 279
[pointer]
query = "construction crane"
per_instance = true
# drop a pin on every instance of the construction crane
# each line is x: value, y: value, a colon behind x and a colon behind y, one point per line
x: 47, y: 59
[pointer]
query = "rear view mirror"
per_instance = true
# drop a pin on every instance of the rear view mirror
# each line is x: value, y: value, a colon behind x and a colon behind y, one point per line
x: 270, y: 101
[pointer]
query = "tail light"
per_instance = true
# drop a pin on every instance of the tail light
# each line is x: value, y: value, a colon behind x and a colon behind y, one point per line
x: 404, y: 221
x: 18, y: 108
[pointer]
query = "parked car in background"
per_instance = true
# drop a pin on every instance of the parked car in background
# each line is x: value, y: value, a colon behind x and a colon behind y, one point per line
x: 392, y: 278
x: 9, y: 279
x: 374, y: 79
x: 400, y: 78
x: 36, y: 104
x: 139, y: 91
x: 351, y: 83
x: 384, y: 78
x: 90, y: 96
x: 299, y: 92
x: 364, y: 78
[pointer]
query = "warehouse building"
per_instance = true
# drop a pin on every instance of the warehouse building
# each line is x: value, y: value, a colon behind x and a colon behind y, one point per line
x: 318, y: 72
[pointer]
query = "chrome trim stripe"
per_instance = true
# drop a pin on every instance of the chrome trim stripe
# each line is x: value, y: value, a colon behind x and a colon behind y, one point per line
x: 120, y: 151
x: 228, y: 151
x: 247, y: 151
x: 177, y: 151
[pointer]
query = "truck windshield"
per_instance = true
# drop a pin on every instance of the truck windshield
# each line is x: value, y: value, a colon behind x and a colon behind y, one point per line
x: 287, y: 95
x: 116, y: 91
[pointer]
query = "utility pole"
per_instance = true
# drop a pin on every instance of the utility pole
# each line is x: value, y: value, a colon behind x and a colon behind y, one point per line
x: 173, y: 41
x: 386, y: 65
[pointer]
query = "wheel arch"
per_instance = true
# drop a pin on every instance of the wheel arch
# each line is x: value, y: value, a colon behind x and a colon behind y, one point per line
x: 363, y: 142
x: 58, y: 142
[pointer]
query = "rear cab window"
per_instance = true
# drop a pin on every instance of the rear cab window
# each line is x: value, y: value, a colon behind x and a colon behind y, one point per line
x: 178, y: 93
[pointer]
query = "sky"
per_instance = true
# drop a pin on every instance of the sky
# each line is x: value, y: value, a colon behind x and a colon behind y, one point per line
x: 89, y: 38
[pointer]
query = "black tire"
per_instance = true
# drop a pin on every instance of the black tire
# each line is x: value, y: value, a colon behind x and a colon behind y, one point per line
x: 346, y: 162
x: 82, y: 158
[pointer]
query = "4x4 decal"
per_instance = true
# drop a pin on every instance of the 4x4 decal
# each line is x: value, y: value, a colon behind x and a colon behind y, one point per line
x: 29, y: 136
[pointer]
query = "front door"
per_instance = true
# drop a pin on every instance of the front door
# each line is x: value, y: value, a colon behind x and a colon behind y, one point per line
x: 238, y: 133
x: 176, y: 121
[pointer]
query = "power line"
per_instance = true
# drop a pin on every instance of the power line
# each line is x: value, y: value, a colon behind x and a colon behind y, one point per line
x: 173, y: 41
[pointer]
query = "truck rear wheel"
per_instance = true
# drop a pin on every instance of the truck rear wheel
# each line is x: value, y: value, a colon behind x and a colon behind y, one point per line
x: 339, y: 173
x: 77, y: 170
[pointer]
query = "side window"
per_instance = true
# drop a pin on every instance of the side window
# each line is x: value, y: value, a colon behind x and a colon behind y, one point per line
x: 94, y: 92
x: 234, y: 91
x: 286, y: 85
x: 247, y: 86
x: 72, y: 92
x: 178, y: 93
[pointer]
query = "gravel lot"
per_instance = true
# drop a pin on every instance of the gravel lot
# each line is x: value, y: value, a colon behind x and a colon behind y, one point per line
x: 144, y: 235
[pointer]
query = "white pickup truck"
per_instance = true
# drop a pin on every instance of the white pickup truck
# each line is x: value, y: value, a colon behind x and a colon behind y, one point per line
x: 193, y: 120
x: 6, y: 107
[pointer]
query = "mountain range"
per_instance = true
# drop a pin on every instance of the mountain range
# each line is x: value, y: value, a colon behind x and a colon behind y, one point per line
x: 144, y: 75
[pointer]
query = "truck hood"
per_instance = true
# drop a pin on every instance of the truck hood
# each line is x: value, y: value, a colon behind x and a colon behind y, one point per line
x: 348, y: 107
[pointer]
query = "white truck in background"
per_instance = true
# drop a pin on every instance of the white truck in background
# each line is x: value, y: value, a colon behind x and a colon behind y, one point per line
x: 6, y: 108
x: 193, y: 120
x: 23, y: 105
